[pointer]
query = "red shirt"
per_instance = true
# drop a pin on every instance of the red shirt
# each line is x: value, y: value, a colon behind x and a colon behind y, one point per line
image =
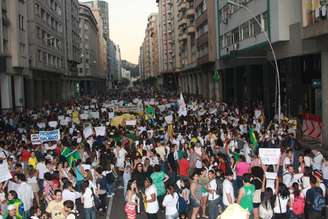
x: 25, y: 155
x: 183, y: 167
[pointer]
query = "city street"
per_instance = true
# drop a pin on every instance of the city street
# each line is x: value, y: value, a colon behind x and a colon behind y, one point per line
x: 205, y: 108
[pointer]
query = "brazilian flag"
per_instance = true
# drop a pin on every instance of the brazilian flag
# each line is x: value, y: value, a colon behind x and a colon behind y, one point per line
x: 216, y: 76
x: 71, y: 156
x: 150, y: 111
x: 252, y: 138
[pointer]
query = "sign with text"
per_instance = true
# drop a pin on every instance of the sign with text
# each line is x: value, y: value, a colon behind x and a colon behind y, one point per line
x: 269, y: 156
x: 46, y: 136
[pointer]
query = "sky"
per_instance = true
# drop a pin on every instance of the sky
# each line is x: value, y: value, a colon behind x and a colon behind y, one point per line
x: 127, y: 24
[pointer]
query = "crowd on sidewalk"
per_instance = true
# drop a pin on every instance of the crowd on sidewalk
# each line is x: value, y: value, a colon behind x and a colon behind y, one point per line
x: 189, y: 159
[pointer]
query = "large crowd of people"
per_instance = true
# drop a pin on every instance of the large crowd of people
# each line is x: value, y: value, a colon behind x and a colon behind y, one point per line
x: 182, y: 158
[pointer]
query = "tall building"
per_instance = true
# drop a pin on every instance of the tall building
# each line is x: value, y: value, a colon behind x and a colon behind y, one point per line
x: 88, y: 69
x: 14, y: 54
x: 168, y: 41
x: 141, y: 62
x: 46, y: 50
x: 297, y: 30
x: 104, y: 13
x: 118, y: 62
x: 150, y: 47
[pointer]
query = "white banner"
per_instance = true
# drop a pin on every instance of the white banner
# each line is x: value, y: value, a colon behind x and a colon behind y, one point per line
x: 131, y: 122
x: 87, y: 132
x: 94, y: 115
x: 84, y: 116
x: 100, y: 131
x: 53, y: 124
x: 5, y: 173
x: 269, y: 156
x: 35, y: 139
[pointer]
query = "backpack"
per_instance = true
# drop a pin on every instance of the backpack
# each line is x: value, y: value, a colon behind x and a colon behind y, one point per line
x: 298, y: 205
x: 319, y: 202
x: 182, y: 205
x: 110, y: 177
x: 219, y: 186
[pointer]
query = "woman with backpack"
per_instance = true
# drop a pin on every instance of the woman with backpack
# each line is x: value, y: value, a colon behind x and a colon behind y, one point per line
x: 297, y: 203
x: 170, y: 202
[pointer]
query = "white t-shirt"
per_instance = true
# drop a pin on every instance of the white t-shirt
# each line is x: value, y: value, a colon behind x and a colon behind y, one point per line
x: 287, y: 162
x: 228, y: 189
x: 283, y: 204
x: 87, y: 198
x: 42, y: 168
x: 68, y: 195
x: 152, y: 207
x: 317, y: 161
x: 212, y: 185
x: 170, y: 204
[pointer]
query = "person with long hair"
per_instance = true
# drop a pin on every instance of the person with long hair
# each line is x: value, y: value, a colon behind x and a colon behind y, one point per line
x: 131, y: 200
x: 203, y: 181
x: 139, y: 176
x: 281, y: 200
x: 266, y: 206
x: 196, y: 194
x: 170, y: 203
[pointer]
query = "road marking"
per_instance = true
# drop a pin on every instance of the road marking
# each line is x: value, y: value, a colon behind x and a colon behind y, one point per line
x: 109, y: 208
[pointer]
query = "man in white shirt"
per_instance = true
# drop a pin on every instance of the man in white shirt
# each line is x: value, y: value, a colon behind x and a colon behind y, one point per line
x: 150, y: 198
x: 288, y: 176
x: 213, y: 198
x: 317, y: 160
x: 228, y: 193
x: 25, y: 194
x: 42, y: 169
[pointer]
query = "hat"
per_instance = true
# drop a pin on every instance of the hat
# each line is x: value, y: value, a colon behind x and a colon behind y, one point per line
x: 11, y: 207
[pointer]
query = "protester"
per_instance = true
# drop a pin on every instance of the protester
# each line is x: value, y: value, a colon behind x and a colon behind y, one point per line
x: 211, y: 154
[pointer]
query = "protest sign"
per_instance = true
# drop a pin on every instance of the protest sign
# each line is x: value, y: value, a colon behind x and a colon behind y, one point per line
x: 4, y: 170
x: 61, y: 117
x: 63, y: 122
x: 269, y: 156
x: 161, y: 108
x: 94, y: 115
x: 87, y: 132
x: 41, y: 125
x: 131, y: 122
x: 53, y: 124
x: 35, y: 139
x: 100, y: 131
x: 169, y: 119
x: 46, y: 136
x: 84, y: 116
x: 111, y: 115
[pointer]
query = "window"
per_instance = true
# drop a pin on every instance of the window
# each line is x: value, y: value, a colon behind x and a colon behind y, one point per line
x: 45, y: 58
x: 37, y: 9
x: 245, y: 30
x: 43, y: 15
x: 39, y: 55
x: 22, y: 49
x: 38, y: 32
x: 21, y: 21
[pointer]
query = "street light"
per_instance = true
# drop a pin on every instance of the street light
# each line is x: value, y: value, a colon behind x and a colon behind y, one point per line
x: 271, y: 47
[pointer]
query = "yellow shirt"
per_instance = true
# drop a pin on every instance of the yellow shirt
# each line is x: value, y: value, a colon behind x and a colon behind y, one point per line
x: 32, y: 161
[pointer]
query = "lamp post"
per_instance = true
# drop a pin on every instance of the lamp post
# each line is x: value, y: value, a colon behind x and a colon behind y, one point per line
x: 271, y: 47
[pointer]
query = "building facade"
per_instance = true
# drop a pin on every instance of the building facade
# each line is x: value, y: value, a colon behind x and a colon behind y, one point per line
x: 297, y: 30
x: 14, y: 61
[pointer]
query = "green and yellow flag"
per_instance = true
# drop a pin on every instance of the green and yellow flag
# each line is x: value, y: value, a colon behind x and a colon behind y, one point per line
x: 216, y: 76
x: 252, y: 138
